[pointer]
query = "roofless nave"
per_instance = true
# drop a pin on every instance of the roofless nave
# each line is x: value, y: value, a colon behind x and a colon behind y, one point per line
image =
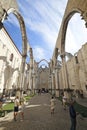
x: 56, y: 76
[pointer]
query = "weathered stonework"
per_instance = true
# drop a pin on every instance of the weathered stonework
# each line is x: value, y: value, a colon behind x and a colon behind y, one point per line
x: 79, y: 72
x: 76, y: 72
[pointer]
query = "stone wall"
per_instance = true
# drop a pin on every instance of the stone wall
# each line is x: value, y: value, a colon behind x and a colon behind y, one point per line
x: 77, y: 71
x: 10, y: 62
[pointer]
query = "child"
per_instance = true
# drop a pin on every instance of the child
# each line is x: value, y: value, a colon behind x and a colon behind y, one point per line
x: 64, y: 100
x: 52, y: 101
x: 21, y: 110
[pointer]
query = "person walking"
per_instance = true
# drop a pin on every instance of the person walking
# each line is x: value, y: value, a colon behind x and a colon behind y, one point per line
x: 21, y: 110
x: 52, y: 102
x: 64, y: 101
x: 22, y: 107
x: 72, y: 113
x: 16, y: 107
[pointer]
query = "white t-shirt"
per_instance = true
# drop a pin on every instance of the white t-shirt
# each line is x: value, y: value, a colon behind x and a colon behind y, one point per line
x: 16, y: 102
x: 64, y: 98
x: 52, y: 103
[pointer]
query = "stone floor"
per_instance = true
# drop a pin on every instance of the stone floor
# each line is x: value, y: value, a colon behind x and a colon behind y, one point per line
x: 38, y: 117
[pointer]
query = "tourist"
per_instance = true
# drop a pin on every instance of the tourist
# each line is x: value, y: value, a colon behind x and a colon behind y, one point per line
x: 16, y: 107
x: 72, y: 113
x: 39, y: 91
x: 52, y: 102
x: 64, y: 101
x: 21, y: 110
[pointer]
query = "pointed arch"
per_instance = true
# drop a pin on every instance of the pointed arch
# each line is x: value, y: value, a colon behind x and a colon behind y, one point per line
x: 64, y: 27
x: 43, y: 60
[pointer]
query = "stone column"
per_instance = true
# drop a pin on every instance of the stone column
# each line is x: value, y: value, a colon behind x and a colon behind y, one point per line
x: 63, y: 72
x: 31, y: 69
x: 65, y: 76
x: 53, y: 87
x: 30, y: 80
x: 34, y: 83
x: 22, y: 73
x: 57, y: 82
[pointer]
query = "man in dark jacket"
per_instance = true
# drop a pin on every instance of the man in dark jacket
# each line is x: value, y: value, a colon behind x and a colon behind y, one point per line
x: 72, y: 115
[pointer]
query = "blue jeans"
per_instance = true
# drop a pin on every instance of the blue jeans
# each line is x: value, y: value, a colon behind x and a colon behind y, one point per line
x: 73, y: 124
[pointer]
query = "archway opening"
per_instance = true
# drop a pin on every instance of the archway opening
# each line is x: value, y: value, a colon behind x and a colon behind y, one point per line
x: 15, y: 35
x: 43, y: 63
x: 76, y: 34
x: 75, y: 43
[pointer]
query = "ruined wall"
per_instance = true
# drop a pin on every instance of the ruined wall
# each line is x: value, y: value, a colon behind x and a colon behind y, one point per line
x: 77, y: 71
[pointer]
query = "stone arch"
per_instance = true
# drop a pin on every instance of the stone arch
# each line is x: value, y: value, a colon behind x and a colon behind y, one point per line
x: 43, y: 60
x: 64, y: 27
x: 71, y: 8
x: 23, y: 30
x: 24, y: 40
x: 62, y: 43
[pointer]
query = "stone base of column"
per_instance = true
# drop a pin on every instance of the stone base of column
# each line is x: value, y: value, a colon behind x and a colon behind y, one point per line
x: 57, y: 93
x: 50, y: 91
x: 34, y: 91
x: 28, y: 92
x: 53, y: 91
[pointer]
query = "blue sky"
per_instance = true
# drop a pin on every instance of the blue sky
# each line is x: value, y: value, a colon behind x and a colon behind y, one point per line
x: 43, y: 19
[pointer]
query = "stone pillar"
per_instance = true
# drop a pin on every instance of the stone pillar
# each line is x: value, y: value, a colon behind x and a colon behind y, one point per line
x: 57, y: 82
x: 34, y: 83
x: 53, y: 87
x: 30, y: 71
x: 22, y: 70
x: 64, y: 71
x: 30, y: 79
x: 65, y: 77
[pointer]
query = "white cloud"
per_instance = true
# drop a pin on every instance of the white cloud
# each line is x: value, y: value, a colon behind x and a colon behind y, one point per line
x: 38, y: 53
x: 76, y: 34
x: 71, y: 44
x: 44, y: 18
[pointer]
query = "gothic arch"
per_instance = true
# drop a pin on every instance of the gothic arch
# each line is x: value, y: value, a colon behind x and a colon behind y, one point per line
x: 62, y: 34
x: 64, y: 27
x: 43, y: 60
x: 72, y: 7
x: 24, y: 40
x: 23, y: 30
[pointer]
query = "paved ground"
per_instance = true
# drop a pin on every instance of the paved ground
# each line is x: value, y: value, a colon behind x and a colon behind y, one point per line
x: 38, y: 117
